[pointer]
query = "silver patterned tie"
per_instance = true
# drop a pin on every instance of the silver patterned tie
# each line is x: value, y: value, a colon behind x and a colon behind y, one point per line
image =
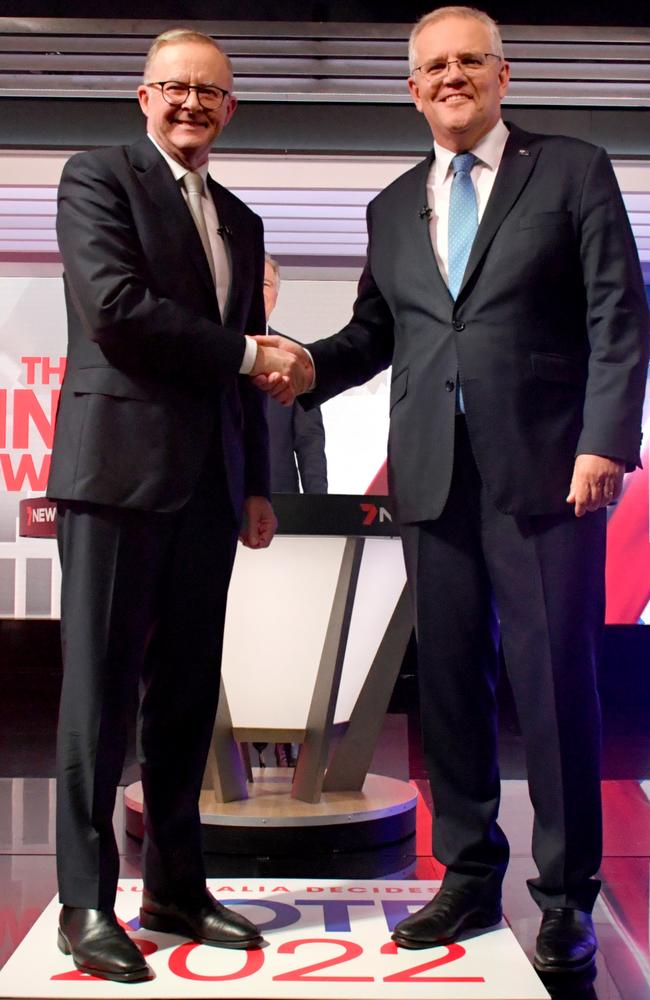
x: 463, y: 219
x: 194, y: 186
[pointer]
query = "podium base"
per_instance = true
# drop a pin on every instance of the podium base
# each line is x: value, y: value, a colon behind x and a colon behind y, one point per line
x: 271, y: 822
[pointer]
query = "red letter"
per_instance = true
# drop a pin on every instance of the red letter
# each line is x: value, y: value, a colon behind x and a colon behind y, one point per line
x: 30, y: 365
x: 48, y: 369
x: 26, y: 407
x: 3, y: 418
x: 15, y: 482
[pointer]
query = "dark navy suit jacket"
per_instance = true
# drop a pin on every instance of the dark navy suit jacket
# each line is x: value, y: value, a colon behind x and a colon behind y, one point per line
x: 549, y: 331
x: 152, y: 367
x: 297, y: 440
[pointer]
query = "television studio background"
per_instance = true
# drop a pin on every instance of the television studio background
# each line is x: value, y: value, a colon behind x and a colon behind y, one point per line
x: 324, y: 123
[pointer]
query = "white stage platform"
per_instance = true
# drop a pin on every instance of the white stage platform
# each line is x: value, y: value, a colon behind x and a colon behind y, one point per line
x: 324, y: 939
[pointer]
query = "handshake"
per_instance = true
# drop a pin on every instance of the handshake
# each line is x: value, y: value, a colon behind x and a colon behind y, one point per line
x: 282, y: 368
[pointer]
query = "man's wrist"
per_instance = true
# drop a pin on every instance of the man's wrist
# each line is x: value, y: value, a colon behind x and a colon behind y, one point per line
x: 250, y: 356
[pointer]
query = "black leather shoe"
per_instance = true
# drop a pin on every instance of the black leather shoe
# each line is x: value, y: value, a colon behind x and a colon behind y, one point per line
x: 207, y: 921
x: 450, y: 912
x: 99, y: 946
x: 566, y: 941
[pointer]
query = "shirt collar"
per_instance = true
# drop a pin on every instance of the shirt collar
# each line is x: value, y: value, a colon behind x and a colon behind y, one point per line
x: 488, y: 150
x: 177, y: 169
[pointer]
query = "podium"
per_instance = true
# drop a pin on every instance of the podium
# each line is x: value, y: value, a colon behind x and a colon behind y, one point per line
x: 316, y: 630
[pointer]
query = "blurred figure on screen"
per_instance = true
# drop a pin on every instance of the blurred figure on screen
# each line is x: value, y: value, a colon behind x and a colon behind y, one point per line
x: 297, y: 436
x: 503, y: 285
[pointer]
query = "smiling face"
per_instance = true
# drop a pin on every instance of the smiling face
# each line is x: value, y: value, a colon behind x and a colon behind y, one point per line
x: 186, y: 132
x: 460, y: 108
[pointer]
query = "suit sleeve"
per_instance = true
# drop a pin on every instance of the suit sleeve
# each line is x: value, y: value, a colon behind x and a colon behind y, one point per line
x: 309, y: 446
x: 617, y: 320
x: 361, y: 349
x: 120, y: 305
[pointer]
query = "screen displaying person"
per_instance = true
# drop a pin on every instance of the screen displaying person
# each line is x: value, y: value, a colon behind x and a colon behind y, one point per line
x: 502, y: 283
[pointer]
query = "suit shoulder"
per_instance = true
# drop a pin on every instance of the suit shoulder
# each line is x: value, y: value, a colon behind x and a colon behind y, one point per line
x: 106, y: 159
x: 564, y: 147
x: 412, y: 180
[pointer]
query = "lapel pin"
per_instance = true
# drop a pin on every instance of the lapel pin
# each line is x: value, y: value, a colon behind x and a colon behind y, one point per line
x: 524, y: 152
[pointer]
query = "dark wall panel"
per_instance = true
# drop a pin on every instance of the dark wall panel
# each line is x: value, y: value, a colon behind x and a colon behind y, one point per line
x: 295, y: 128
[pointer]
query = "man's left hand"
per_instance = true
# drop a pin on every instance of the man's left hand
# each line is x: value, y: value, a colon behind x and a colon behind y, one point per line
x: 596, y: 482
x: 259, y: 523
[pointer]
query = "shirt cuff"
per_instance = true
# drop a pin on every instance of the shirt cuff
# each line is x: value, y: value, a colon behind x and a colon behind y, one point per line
x: 313, y: 366
x: 250, y: 356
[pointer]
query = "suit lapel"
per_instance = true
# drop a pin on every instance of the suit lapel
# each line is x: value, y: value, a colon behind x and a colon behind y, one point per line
x: 232, y: 241
x: 164, y: 190
x: 514, y: 170
x: 420, y: 235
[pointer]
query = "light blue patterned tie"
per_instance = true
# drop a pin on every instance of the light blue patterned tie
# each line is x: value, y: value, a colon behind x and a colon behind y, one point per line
x: 463, y: 219
x: 463, y: 223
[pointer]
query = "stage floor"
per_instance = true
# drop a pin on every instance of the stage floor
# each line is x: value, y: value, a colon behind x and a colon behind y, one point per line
x: 30, y: 676
x: 28, y: 878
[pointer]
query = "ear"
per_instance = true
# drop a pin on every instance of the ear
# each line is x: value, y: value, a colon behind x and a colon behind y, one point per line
x: 143, y: 98
x: 232, y: 107
x: 415, y: 92
x: 504, y: 78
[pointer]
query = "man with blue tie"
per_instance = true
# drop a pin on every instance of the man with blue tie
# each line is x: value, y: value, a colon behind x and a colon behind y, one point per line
x: 503, y: 285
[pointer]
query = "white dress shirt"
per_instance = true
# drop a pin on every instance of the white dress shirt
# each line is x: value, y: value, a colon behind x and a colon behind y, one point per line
x: 489, y: 151
x: 219, y: 253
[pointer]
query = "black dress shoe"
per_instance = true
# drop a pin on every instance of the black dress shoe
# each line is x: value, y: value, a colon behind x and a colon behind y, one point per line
x: 566, y: 941
x: 99, y: 946
x: 207, y: 921
x: 449, y: 913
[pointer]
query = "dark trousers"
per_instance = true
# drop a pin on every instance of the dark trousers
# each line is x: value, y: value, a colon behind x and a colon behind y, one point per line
x: 537, y: 582
x: 142, y: 608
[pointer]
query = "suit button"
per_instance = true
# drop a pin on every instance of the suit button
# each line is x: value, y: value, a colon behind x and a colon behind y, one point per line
x: 450, y: 385
x: 458, y: 325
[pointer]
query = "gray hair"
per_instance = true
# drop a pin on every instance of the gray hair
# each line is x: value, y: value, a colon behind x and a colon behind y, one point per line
x: 175, y: 36
x: 275, y: 267
x: 444, y: 12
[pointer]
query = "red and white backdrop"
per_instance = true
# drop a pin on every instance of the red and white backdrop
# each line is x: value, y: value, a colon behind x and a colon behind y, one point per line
x: 314, y: 215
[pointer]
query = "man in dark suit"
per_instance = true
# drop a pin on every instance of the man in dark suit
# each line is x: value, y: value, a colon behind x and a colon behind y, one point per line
x: 502, y: 283
x: 160, y: 459
x: 296, y: 436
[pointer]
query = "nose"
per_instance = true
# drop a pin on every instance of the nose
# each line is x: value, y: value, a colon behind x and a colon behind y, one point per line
x: 192, y: 101
x: 454, y: 72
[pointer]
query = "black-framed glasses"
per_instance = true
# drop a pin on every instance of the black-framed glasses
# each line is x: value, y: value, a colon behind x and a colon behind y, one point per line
x: 468, y: 62
x: 210, y: 97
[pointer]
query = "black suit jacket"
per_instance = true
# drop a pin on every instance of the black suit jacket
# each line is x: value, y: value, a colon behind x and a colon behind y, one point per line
x: 549, y: 331
x: 152, y: 367
x: 297, y: 440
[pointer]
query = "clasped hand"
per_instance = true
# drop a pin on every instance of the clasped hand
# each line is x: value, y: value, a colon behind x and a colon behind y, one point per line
x: 282, y: 368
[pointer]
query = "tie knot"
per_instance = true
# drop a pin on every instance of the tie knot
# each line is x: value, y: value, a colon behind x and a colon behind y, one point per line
x: 193, y: 182
x: 462, y: 163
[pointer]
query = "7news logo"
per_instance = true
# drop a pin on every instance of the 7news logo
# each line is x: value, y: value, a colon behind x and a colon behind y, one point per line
x: 371, y: 511
x: 40, y: 515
